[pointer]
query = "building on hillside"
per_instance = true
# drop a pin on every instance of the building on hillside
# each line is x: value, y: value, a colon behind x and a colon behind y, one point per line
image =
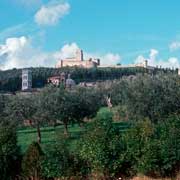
x: 78, y: 61
x: 70, y: 83
x: 61, y: 79
x: 87, y: 84
x: 144, y: 64
x: 57, y: 80
x: 26, y: 79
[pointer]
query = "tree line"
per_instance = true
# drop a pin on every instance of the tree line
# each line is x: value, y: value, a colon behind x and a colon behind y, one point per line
x: 10, y: 80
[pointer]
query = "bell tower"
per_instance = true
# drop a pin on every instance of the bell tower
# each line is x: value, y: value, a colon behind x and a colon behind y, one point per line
x: 145, y: 63
x: 26, y: 79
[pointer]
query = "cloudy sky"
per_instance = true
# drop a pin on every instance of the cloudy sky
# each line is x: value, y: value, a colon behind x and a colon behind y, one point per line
x: 39, y: 32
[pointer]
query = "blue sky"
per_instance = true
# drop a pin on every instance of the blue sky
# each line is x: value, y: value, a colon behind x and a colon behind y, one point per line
x: 129, y: 30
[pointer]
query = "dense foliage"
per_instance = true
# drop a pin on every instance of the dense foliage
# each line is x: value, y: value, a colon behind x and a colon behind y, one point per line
x: 149, y: 96
x: 70, y: 106
x: 149, y: 145
x: 9, y: 151
x: 101, y: 145
x: 59, y: 161
x: 10, y: 80
x: 31, y: 166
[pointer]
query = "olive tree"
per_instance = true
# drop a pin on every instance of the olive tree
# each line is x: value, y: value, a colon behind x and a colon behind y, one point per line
x: 70, y: 106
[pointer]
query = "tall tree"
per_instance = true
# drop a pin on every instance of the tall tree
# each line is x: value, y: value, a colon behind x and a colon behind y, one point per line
x: 31, y: 163
x: 9, y: 151
x: 70, y: 106
x: 26, y: 107
x: 100, y: 146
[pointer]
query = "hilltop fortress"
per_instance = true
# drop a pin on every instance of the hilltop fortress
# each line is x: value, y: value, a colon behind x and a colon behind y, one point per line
x: 79, y: 61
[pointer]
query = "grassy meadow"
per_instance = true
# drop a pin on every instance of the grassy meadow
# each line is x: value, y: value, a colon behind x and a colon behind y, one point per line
x: 50, y: 134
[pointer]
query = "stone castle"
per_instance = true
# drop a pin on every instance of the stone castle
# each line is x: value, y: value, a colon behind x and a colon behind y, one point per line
x: 79, y: 61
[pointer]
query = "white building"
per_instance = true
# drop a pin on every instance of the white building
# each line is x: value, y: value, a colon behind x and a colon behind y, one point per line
x: 26, y: 79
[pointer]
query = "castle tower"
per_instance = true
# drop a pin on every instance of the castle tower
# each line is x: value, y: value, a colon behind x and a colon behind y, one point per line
x: 145, y: 64
x: 26, y: 79
x: 79, y: 55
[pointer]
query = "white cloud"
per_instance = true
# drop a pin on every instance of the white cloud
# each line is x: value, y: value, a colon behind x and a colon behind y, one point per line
x: 174, y: 46
x: 140, y: 59
x: 68, y: 50
x: 105, y: 59
x: 110, y: 59
x: 153, y: 54
x: 151, y: 59
x: 20, y: 53
x: 51, y: 13
x: 172, y: 62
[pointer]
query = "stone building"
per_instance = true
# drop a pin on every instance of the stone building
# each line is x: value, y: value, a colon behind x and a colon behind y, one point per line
x: 70, y: 83
x: 143, y: 64
x: 78, y: 61
x: 62, y: 79
x: 57, y: 80
x: 26, y: 79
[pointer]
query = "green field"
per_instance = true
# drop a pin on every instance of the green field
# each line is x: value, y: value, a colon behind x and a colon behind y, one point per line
x: 49, y: 134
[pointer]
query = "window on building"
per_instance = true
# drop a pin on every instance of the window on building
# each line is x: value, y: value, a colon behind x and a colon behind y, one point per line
x: 25, y: 77
x: 25, y: 84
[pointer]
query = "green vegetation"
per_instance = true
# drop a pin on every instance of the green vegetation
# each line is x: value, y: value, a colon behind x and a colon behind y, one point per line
x: 31, y: 162
x: 9, y: 151
x: 49, y: 135
x: 10, y: 80
x: 72, y: 134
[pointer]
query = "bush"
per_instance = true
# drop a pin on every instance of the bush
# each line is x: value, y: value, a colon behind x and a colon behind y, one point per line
x: 101, y: 145
x: 9, y: 151
x: 153, y: 149
x: 59, y: 162
x: 56, y: 161
x: 31, y: 163
x: 140, y: 147
x: 168, y: 135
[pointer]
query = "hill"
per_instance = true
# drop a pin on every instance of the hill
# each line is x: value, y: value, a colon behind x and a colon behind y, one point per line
x: 10, y: 80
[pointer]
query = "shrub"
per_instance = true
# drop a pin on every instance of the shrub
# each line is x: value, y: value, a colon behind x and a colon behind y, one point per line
x: 59, y: 162
x: 168, y: 135
x: 101, y: 145
x: 31, y: 163
x: 9, y: 151
x: 140, y: 147
x: 154, y: 149
x: 56, y: 161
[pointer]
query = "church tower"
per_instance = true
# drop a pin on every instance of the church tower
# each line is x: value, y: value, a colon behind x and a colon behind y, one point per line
x: 145, y: 63
x: 26, y: 79
x: 79, y: 55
